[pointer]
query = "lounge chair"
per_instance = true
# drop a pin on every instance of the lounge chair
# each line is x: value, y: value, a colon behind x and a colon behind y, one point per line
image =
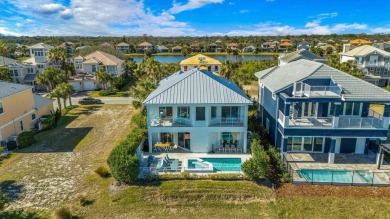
x: 160, y: 164
x: 239, y: 148
x: 221, y: 149
x: 227, y: 148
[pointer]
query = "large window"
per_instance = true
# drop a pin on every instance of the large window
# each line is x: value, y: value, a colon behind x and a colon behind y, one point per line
x: 21, y: 126
x: 213, y: 112
x: 93, y: 68
x: 200, y: 114
x: 110, y: 69
x: 165, y: 112
x: 166, y: 137
x: 305, y: 144
x: 1, y: 108
x: 352, y: 109
x: 331, y: 109
x: 183, y: 112
x: 230, y: 111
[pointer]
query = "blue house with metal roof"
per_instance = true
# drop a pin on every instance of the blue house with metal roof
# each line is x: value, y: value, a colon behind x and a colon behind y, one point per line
x: 198, y: 111
x: 310, y: 107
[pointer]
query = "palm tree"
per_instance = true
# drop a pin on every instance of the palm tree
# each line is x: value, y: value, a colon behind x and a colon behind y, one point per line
x: 69, y: 90
x: 58, y: 55
x: 3, y: 50
x: 235, y: 53
x: 102, y: 75
x: 130, y: 66
x: 152, y: 69
x: 57, y: 93
x: 227, y: 69
x: 51, y: 77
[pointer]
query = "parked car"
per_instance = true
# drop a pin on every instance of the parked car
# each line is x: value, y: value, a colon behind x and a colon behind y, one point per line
x: 89, y: 100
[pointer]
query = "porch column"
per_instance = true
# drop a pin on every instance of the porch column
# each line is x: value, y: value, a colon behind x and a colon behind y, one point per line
x: 286, y: 113
x: 150, y: 141
x: 245, y: 141
x: 379, y: 158
x: 332, y: 151
x: 284, y: 148
x: 386, y: 115
x: 336, y: 115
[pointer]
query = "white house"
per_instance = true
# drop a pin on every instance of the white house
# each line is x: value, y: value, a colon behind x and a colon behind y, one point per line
x: 197, y: 110
x: 200, y: 61
x: 39, y: 56
x: 374, y: 63
x: 87, y: 66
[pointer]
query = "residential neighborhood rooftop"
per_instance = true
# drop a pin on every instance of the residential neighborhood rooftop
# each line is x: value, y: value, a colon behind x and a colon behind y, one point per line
x: 102, y: 58
x: 40, y: 101
x: 41, y: 46
x: 8, y: 89
x: 4, y: 61
x: 196, y: 87
x: 122, y: 44
x: 365, y: 50
x: 359, y: 41
x: 302, y: 53
x: 196, y: 60
x: 281, y: 77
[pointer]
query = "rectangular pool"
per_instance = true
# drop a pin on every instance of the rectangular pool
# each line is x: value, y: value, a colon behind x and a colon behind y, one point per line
x: 338, y: 176
x: 219, y: 164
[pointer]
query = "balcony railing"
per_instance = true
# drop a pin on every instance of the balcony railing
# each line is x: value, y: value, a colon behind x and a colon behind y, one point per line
x: 316, y: 122
x: 281, y: 117
x: 170, y: 122
x: 374, y: 64
x: 360, y: 122
x: 227, y: 121
x: 302, y: 89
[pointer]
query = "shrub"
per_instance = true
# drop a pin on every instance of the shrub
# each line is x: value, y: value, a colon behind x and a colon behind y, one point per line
x: 102, y: 171
x: 257, y: 166
x: 11, y: 145
x: 84, y: 201
x: 25, y: 139
x: 63, y: 213
x: 107, y: 92
x: 185, y: 175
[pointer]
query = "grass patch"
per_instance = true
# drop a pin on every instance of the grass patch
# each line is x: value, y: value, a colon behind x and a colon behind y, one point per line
x: 95, y: 94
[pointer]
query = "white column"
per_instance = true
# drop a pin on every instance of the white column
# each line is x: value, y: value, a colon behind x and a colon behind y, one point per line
x: 150, y: 140
x: 245, y: 141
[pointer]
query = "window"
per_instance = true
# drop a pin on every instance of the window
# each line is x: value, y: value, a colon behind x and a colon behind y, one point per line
x: 305, y: 144
x: 110, y: 69
x: 216, y: 68
x: 40, y: 66
x: 38, y: 52
x: 30, y: 70
x: 183, y: 112
x: 166, y: 137
x: 93, y: 68
x: 230, y: 111
x: 331, y: 109
x: 209, y: 68
x: 352, y: 109
x: 165, y: 112
x: 21, y: 126
x: 213, y: 112
x: 1, y: 108
x: 200, y: 113
x: 185, y: 68
x: 33, y: 116
x: 15, y: 73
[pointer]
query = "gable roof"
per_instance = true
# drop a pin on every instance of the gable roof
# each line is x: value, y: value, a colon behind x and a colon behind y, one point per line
x: 145, y: 44
x: 8, y: 89
x: 177, y: 47
x: 40, y: 102
x: 301, y: 54
x: 102, y: 58
x: 162, y: 47
x: 281, y: 77
x: 105, y: 44
x: 122, y: 44
x: 196, y: 87
x: 4, y: 61
x: 359, y: 41
x: 41, y: 46
x: 365, y: 50
x: 194, y: 60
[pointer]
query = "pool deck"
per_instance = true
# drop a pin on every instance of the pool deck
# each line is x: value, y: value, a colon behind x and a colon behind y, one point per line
x: 184, y: 155
x: 366, y: 162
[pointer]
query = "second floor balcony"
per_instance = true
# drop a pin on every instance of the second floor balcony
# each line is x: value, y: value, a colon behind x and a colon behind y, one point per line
x: 170, y: 122
x: 372, y: 121
x: 305, y: 90
x: 227, y: 121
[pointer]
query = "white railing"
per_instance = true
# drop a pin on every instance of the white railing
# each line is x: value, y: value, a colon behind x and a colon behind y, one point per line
x: 360, y: 122
x: 371, y: 63
x: 170, y: 122
x: 317, y: 122
x: 303, y: 89
x: 227, y: 121
x: 281, y: 117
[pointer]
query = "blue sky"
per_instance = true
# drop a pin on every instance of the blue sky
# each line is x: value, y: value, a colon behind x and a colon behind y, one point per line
x: 192, y: 17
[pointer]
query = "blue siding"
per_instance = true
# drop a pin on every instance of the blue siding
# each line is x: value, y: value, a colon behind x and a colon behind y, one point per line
x: 272, y: 126
x: 335, y: 132
x: 347, y: 145
x: 269, y: 103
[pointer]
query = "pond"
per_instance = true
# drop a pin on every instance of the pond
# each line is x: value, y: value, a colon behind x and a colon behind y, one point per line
x: 172, y: 59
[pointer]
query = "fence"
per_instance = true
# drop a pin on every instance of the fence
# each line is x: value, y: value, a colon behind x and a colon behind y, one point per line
x: 336, y: 176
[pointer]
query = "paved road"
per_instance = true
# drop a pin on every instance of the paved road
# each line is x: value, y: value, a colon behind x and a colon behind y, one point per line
x: 107, y: 100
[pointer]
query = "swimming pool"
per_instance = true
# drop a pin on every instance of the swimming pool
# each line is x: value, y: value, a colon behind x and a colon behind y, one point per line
x: 217, y: 164
x: 338, y: 176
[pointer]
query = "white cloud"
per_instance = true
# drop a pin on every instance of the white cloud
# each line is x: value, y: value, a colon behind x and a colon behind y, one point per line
x: 66, y: 14
x: 191, y: 5
x: 385, y: 29
x: 243, y: 11
x: 49, y: 8
x: 6, y: 32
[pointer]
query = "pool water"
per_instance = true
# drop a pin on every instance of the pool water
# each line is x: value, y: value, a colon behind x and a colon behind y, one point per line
x: 338, y: 176
x: 219, y: 164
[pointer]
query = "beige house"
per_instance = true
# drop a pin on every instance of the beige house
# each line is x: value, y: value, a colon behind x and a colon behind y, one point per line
x: 20, y: 109
x: 200, y: 61
x: 87, y: 66
x: 145, y: 46
x: 123, y: 48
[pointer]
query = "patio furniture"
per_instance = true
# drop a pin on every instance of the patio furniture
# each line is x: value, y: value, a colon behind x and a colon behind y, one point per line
x: 221, y: 149
x: 239, y: 148
x: 233, y: 148
x: 227, y: 148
